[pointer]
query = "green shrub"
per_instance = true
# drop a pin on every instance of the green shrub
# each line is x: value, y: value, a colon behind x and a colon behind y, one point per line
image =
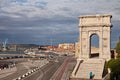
x: 114, y: 65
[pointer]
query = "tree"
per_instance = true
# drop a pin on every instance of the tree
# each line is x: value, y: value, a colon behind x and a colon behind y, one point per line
x: 114, y: 65
x: 118, y: 47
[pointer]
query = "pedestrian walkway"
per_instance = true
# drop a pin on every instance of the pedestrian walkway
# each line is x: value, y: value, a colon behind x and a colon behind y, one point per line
x: 8, y: 71
x: 20, y: 69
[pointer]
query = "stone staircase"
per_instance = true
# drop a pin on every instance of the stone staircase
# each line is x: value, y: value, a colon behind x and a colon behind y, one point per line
x: 96, y: 66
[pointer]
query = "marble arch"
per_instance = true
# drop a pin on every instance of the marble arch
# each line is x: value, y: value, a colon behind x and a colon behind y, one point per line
x: 95, y: 24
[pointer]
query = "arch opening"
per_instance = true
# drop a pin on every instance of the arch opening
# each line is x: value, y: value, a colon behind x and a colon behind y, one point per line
x: 94, y: 46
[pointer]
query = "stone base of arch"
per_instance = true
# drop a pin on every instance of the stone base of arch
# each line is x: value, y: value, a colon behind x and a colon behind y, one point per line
x: 85, y: 66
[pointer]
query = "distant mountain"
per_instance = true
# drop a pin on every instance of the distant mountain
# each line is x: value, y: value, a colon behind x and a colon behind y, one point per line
x: 27, y: 45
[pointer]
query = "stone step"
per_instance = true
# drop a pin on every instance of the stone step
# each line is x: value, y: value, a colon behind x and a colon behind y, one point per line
x: 92, y: 61
x: 91, y: 65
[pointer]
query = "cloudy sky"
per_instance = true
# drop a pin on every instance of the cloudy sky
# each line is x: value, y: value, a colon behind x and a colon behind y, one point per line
x: 52, y: 21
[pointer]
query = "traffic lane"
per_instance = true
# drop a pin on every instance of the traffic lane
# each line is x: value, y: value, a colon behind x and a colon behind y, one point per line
x: 38, y: 73
x: 69, y: 69
x: 49, y: 73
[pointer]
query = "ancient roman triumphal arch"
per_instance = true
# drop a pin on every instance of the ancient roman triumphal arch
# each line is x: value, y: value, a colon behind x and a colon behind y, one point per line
x: 89, y: 25
x: 95, y: 24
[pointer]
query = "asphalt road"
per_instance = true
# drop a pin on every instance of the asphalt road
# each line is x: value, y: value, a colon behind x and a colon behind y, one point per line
x: 64, y: 69
x: 47, y: 71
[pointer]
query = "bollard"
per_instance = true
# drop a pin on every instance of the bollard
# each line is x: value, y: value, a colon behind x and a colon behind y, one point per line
x: 19, y: 78
x: 29, y: 72
x: 23, y: 76
x: 26, y: 74
x: 32, y: 71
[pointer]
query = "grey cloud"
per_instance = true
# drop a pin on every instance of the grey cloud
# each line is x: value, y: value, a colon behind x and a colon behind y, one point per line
x: 45, y: 28
x: 117, y: 10
x: 65, y: 9
x: 58, y: 22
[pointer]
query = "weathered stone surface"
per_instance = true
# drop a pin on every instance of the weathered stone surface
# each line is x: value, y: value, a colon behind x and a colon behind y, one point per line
x: 99, y: 25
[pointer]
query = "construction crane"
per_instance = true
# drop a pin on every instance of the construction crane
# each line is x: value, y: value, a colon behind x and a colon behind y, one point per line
x: 4, y: 45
